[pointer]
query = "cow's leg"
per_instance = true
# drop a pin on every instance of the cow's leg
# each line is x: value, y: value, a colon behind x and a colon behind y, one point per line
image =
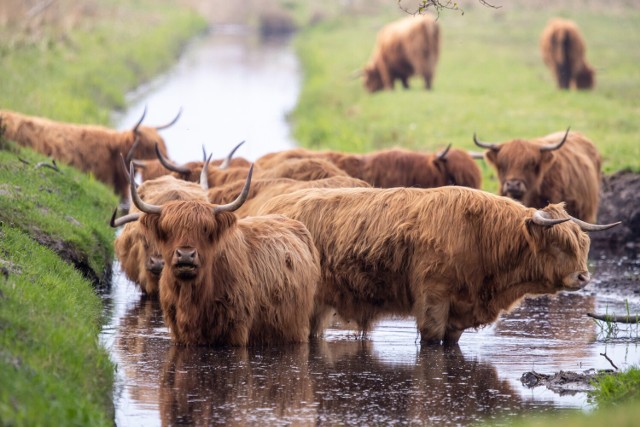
x: 385, y: 76
x: 452, y: 336
x: 432, y: 321
x: 405, y: 82
x: 427, y: 80
x: 319, y: 320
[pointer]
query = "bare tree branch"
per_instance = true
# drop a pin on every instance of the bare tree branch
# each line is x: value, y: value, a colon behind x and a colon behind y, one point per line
x: 616, y: 319
x: 438, y: 5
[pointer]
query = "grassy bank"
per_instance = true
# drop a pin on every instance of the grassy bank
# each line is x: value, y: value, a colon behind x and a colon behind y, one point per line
x: 53, y: 370
x: 490, y: 80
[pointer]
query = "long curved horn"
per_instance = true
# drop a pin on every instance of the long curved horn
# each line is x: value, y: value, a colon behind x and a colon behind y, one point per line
x: 443, y: 154
x: 139, y: 163
x: 486, y: 145
x: 230, y: 207
x: 204, y: 154
x: 170, y: 165
x: 172, y: 122
x: 115, y: 223
x: 227, y: 161
x: 476, y: 155
x: 136, y: 142
x: 552, y: 147
x: 144, y: 113
x: 541, y: 218
x: 204, y: 174
x: 585, y: 226
x: 135, y: 197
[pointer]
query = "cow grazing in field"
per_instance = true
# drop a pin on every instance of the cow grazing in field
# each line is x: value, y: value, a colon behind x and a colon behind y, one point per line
x: 262, y: 190
x: 190, y: 171
x: 90, y: 148
x: 228, y: 280
x: 452, y: 257
x: 403, y: 48
x: 560, y: 167
x: 395, y: 167
x: 563, y: 51
x: 138, y: 253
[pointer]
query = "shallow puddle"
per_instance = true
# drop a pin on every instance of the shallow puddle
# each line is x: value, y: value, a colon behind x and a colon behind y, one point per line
x: 386, y: 378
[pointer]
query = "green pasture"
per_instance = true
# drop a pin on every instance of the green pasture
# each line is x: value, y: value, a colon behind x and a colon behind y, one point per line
x: 490, y: 79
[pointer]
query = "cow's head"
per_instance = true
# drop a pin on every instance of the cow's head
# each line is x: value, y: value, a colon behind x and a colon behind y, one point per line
x: 585, y: 78
x: 521, y: 165
x: 147, y: 137
x: 560, y: 246
x: 187, y: 230
x: 457, y: 167
x: 372, y: 78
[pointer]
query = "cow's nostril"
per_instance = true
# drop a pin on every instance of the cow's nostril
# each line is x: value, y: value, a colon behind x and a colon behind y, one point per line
x: 584, y: 277
x: 185, y: 254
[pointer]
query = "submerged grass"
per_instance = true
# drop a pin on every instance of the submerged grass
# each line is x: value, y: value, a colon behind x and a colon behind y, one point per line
x: 53, y: 370
x: 490, y: 80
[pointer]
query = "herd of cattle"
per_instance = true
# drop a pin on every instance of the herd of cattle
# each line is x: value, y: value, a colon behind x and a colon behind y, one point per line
x: 411, y: 46
x: 394, y: 232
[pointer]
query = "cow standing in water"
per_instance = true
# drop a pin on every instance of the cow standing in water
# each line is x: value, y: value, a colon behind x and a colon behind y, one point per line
x: 560, y: 167
x: 452, y: 257
x: 228, y: 280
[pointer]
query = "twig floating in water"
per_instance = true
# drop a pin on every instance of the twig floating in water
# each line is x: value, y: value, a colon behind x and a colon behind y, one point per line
x: 610, y: 361
x: 616, y: 319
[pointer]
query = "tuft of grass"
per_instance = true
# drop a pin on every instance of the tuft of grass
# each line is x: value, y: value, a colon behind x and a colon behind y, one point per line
x: 612, y: 390
x: 490, y: 79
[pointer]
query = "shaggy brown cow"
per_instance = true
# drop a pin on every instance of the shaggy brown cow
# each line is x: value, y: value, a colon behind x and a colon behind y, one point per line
x: 403, y: 48
x: 563, y: 51
x: 395, y: 167
x: 453, y: 257
x: 138, y: 254
x: 555, y: 168
x: 90, y: 148
x: 263, y: 190
x: 228, y: 280
x: 150, y: 169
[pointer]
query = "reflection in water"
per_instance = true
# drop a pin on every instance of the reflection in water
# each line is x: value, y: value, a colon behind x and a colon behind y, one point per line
x: 386, y: 379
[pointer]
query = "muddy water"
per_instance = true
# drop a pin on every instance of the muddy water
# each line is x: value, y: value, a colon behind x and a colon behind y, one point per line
x: 387, y: 378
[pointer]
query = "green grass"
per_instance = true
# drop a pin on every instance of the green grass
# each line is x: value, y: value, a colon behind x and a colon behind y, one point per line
x: 86, y: 76
x: 490, y: 80
x: 51, y: 369
x: 617, y: 389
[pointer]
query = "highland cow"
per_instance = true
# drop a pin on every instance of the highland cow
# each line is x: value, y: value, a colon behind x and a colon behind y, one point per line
x: 139, y: 254
x: 552, y: 169
x: 452, y: 257
x: 228, y: 280
x: 563, y: 51
x: 395, y: 167
x: 403, y: 48
x: 90, y: 148
x: 263, y: 190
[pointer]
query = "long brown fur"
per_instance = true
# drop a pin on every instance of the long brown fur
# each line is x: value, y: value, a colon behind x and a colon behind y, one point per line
x: 403, y: 48
x: 263, y: 190
x: 563, y: 50
x: 133, y: 248
x: 90, y: 148
x: 394, y: 167
x: 570, y: 174
x: 452, y: 257
x: 255, y: 280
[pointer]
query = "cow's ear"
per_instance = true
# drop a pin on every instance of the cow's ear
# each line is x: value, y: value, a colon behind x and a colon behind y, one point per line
x: 532, y: 234
x: 491, y: 156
